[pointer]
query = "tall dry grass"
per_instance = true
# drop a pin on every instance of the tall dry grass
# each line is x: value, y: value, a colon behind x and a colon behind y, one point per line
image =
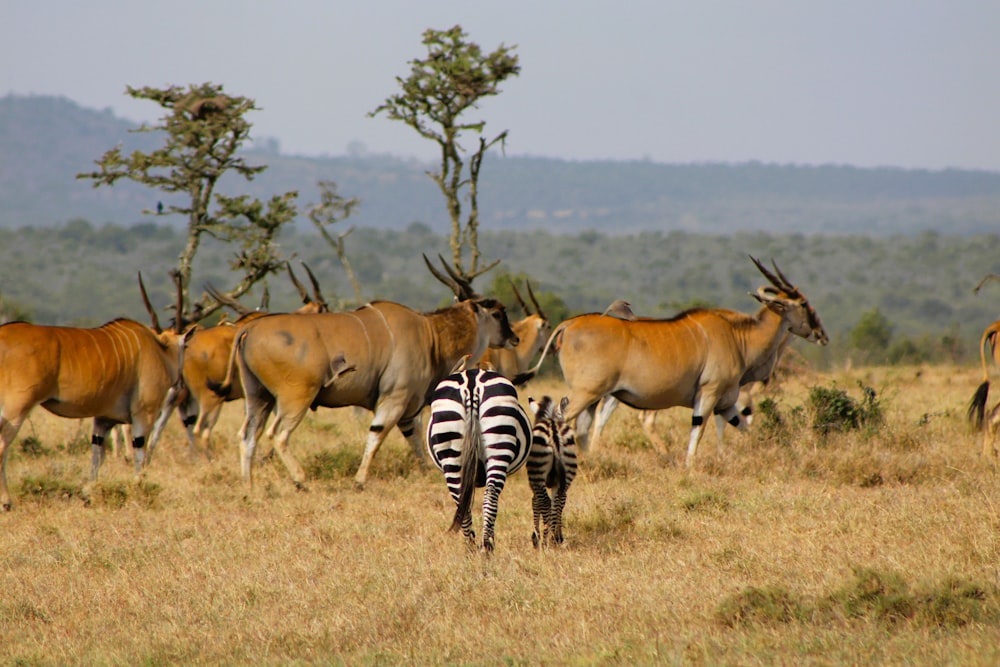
x: 874, y: 546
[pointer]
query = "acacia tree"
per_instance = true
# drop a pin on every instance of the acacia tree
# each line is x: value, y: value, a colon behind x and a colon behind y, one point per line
x: 204, y: 130
x: 453, y: 77
x: 334, y: 208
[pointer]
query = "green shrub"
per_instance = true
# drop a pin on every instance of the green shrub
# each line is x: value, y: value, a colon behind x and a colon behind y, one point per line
x: 33, y: 448
x: 834, y: 410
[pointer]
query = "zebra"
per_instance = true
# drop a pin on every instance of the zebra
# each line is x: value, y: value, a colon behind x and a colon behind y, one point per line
x: 551, y: 465
x: 477, y: 435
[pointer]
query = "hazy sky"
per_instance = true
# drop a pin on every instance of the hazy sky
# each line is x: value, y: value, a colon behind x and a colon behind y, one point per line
x: 908, y: 83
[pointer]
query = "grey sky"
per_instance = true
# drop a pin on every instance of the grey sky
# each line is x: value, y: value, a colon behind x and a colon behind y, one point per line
x: 864, y: 82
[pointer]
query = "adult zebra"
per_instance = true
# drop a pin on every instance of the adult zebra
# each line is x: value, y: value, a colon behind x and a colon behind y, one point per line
x: 551, y: 465
x: 477, y: 435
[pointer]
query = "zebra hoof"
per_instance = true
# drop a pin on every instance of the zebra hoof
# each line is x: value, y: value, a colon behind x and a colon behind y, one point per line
x: 534, y: 540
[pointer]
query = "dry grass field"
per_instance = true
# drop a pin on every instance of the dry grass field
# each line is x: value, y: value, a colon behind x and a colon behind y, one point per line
x: 879, y: 545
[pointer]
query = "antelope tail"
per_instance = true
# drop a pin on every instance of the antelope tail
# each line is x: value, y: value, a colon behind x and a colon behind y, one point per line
x: 977, y: 406
x: 521, y: 378
x: 471, y: 462
x: 226, y: 386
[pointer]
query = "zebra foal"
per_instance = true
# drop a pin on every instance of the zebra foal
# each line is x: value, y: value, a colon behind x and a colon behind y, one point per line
x: 477, y: 435
x: 551, y: 465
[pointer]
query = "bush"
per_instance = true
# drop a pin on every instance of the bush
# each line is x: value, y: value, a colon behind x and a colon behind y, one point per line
x: 834, y: 410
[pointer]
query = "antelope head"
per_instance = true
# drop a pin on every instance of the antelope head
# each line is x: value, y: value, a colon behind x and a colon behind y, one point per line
x: 788, y: 301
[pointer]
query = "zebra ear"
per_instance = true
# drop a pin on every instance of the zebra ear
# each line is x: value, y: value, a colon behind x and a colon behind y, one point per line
x: 534, y: 405
x: 562, y: 406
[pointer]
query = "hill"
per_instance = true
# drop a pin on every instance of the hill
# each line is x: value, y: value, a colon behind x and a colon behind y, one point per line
x: 45, y: 141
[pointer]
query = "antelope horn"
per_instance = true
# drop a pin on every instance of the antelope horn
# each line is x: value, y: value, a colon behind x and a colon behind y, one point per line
x: 149, y: 306
x: 517, y: 295
x: 791, y: 289
x: 463, y: 283
x: 320, y: 301
x: 299, y: 286
x: 538, y: 309
x: 179, y: 318
x: 442, y: 278
x: 767, y: 274
x: 989, y: 277
x: 265, y: 299
x: 227, y: 300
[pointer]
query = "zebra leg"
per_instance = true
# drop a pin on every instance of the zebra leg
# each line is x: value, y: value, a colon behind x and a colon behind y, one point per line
x: 467, y: 531
x: 540, y: 508
x: 491, y: 499
x: 557, y: 513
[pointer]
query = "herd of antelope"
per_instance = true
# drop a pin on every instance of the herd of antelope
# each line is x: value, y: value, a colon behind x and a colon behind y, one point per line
x: 389, y: 359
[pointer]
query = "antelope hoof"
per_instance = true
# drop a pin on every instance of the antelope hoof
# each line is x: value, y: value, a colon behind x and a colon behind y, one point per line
x: 300, y: 486
x: 6, y: 506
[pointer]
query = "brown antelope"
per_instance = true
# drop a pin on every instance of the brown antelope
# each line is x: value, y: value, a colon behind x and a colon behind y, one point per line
x: 695, y: 359
x: 977, y: 407
x: 206, y: 355
x: 760, y: 374
x: 532, y: 331
x: 118, y: 373
x: 383, y: 356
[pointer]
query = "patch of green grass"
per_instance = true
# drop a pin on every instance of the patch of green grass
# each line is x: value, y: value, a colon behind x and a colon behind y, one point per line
x: 616, y: 516
x: 703, y: 500
x: 759, y: 606
x: 116, y: 494
x: 881, y: 597
x: 332, y: 464
x: 33, y: 448
x: 605, y: 467
x: 45, y: 488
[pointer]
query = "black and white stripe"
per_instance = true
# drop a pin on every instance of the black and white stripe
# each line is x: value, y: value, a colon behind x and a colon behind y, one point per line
x: 551, y: 465
x: 477, y: 435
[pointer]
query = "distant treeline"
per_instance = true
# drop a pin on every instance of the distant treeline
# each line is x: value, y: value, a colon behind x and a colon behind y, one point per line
x: 83, y: 273
x: 46, y: 141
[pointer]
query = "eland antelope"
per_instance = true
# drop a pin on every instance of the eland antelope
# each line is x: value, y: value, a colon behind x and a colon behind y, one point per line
x: 696, y: 359
x: 207, y: 354
x: 760, y: 374
x: 118, y: 373
x: 383, y: 356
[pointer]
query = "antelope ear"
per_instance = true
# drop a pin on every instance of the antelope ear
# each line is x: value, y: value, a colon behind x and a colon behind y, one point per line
x: 771, y: 297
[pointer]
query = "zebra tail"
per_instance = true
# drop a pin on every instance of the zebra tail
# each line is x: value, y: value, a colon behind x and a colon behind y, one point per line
x: 977, y: 406
x: 471, y: 445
